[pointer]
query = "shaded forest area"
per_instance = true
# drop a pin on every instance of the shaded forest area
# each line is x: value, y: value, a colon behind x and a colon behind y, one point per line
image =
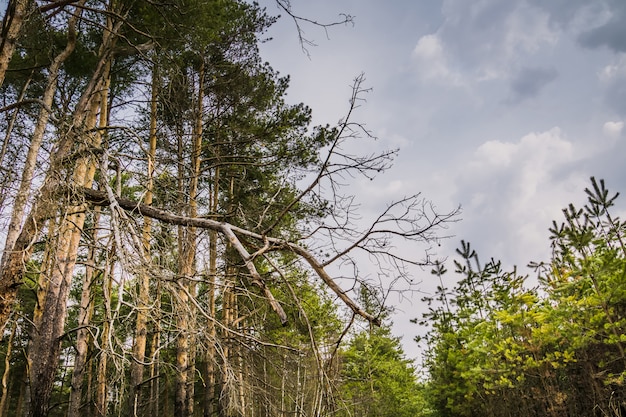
x: 178, y: 239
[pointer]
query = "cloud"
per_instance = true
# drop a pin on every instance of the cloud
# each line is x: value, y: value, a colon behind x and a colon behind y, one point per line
x: 610, y: 34
x: 431, y: 60
x: 487, y: 38
x: 604, y: 17
x: 512, y: 191
x: 613, y: 129
x: 572, y: 13
x: 529, y: 82
x: 613, y: 76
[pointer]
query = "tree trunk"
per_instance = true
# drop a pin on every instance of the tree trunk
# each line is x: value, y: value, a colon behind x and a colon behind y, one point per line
x: 84, y: 319
x: 153, y: 409
x: 11, y: 259
x: 46, y: 343
x: 105, y: 340
x: 210, y: 390
x: 187, y: 243
x: 143, y: 299
x: 12, y: 22
x: 7, y: 368
x: 9, y: 175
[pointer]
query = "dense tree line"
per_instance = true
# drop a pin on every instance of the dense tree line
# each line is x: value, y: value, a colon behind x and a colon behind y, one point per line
x: 502, y: 346
x: 179, y: 239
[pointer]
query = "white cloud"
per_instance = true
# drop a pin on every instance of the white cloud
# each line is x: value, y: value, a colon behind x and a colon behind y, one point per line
x: 431, y: 61
x: 613, y: 71
x: 429, y: 47
x: 613, y: 129
x: 512, y: 191
x: 494, y: 154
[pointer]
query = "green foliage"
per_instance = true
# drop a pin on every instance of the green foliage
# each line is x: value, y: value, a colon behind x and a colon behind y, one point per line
x: 377, y: 378
x: 499, y: 348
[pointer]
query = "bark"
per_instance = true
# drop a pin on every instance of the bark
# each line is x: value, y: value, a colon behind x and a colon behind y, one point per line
x: 182, y: 358
x: 210, y: 391
x: 7, y: 369
x: 8, y: 172
x: 105, y: 341
x: 154, y: 369
x: 185, y: 271
x: 227, y: 402
x: 11, y: 259
x: 12, y: 23
x: 83, y: 334
x: 143, y: 299
x: 210, y: 406
x: 185, y: 360
x: 46, y: 342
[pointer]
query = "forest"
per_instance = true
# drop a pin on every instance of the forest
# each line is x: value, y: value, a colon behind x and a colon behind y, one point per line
x: 503, y: 344
x: 181, y: 241
x: 178, y: 240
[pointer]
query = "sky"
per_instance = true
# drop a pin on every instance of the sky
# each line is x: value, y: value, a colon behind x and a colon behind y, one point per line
x: 504, y: 107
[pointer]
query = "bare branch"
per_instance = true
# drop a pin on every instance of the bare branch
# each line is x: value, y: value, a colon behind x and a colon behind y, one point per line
x: 305, y: 42
x: 231, y: 232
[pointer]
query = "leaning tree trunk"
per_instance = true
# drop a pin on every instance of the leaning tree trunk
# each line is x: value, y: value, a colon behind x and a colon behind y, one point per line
x: 12, y: 23
x: 82, y: 336
x: 11, y: 258
x: 50, y: 324
x: 43, y: 208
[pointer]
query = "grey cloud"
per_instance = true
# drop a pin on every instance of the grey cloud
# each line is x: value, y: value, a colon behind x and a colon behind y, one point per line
x: 528, y: 82
x: 616, y: 96
x: 473, y: 31
x: 562, y: 12
x: 611, y: 34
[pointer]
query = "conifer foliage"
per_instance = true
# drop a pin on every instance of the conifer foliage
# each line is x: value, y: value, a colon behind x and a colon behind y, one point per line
x: 500, y: 346
x: 173, y: 228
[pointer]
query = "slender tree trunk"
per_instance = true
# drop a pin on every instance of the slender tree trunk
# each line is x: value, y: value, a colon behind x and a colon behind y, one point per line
x: 10, y: 258
x: 8, y: 174
x: 84, y: 319
x: 241, y: 373
x: 12, y: 23
x: 143, y: 301
x: 187, y: 242
x: 182, y: 352
x: 210, y: 394
x: 154, y: 363
x: 105, y: 340
x: 13, y: 259
x: 7, y: 368
x: 182, y: 299
x: 22, y: 399
x: 153, y: 408
x: 45, y: 347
